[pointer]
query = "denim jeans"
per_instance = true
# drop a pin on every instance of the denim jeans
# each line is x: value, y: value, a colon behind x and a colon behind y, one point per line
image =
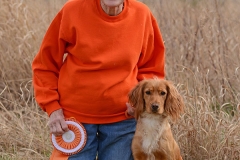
x: 108, y: 141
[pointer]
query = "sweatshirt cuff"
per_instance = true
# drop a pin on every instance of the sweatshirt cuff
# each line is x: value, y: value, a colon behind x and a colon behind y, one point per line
x: 128, y: 115
x: 51, y: 107
x: 141, y: 77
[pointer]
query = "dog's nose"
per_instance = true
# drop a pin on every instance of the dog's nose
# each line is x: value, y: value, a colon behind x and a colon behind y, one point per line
x: 155, y: 107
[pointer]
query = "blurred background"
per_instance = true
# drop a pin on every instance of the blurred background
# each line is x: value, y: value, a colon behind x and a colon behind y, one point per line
x: 202, y: 39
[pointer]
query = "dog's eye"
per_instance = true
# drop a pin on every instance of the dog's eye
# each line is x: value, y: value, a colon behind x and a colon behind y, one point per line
x: 148, y: 92
x: 162, y: 93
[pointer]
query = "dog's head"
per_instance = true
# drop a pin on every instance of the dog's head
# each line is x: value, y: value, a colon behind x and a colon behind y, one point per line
x: 156, y: 96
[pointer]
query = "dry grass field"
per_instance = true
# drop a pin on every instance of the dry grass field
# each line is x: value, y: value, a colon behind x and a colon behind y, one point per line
x: 202, y: 39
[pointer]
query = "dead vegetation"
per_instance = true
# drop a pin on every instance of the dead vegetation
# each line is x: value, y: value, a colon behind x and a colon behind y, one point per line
x: 202, y: 59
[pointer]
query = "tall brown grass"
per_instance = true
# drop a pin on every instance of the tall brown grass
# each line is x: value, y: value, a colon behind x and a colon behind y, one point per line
x: 24, y: 134
x: 202, y: 41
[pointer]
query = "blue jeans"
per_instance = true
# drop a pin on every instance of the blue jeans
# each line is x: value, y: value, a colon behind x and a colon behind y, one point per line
x: 108, y: 141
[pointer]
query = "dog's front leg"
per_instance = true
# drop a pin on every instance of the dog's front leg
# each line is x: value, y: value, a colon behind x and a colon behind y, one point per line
x: 140, y: 156
x: 138, y: 153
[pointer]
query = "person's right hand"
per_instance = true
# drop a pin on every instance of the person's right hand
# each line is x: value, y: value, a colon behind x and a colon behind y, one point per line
x: 57, y: 123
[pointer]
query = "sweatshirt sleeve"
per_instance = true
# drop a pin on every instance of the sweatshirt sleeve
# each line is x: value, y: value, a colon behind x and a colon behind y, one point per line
x: 152, y: 60
x: 46, y: 66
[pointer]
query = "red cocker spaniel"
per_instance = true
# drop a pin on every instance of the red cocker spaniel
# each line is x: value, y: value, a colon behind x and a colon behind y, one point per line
x: 154, y: 101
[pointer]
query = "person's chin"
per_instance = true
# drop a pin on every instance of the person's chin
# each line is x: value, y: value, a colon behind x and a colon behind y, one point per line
x: 112, y: 3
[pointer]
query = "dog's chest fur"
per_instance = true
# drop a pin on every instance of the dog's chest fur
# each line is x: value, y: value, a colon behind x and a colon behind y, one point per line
x: 152, y: 128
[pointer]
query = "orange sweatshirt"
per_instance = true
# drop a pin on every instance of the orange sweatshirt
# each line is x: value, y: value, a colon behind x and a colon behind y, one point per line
x: 106, y: 57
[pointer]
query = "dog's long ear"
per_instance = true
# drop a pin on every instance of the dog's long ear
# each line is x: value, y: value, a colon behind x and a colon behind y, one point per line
x: 136, y: 98
x: 174, y: 104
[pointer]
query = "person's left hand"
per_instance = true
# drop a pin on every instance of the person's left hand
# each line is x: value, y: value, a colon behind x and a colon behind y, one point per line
x: 130, y: 109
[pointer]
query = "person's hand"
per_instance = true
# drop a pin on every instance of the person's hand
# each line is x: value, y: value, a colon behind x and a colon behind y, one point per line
x: 130, y: 109
x: 57, y: 123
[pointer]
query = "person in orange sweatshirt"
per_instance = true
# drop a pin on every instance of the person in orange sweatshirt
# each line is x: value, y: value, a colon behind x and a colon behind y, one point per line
x: 94, y: 52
